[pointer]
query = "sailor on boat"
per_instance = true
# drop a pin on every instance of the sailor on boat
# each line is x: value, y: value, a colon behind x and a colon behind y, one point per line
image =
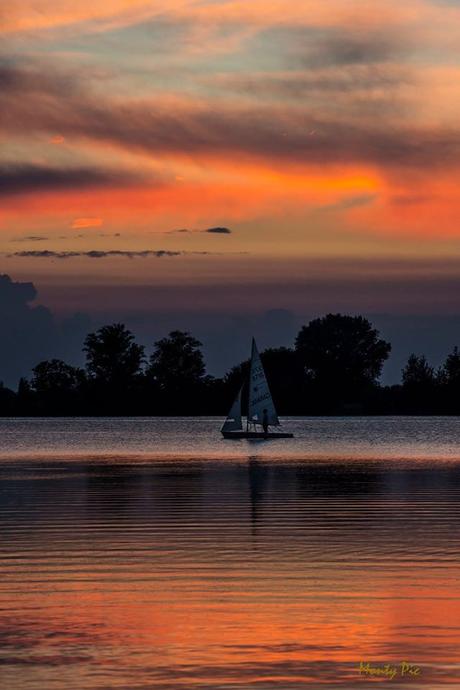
x: 265, y: 421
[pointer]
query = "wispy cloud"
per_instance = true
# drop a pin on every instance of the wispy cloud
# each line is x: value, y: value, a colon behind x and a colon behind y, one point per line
x: 30, y: 238
x: 44, y: 238
x: 86, y: 236
x: 100, y: 254
x: 87, y: 16
x: 350, y: 202
x: 194, y: 128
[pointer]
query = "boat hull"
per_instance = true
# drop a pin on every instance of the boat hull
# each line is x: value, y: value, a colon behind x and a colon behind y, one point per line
x: 256, y: 434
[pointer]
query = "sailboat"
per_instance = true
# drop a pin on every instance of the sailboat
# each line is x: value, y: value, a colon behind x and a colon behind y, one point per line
x: 261, y: 409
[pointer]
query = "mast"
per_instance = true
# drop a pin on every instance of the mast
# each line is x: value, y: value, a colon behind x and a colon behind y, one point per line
x: 260, y: 398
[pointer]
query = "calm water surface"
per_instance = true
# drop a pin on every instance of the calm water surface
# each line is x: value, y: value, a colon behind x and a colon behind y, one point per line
x: 150, y: 554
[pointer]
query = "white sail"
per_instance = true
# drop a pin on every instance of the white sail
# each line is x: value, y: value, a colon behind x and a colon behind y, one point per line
x: 260, y: 398
x: 233, y: 421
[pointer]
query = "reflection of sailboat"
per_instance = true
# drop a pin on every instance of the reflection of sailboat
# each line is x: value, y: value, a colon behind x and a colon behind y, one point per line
x: 261, y: 410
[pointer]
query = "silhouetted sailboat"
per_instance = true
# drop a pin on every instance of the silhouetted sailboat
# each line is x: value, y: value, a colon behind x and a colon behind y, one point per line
x: 261, y: 409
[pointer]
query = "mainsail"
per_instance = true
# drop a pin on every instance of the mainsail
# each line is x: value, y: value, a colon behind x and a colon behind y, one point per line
x: 233, y: 421
x: 260, y: 398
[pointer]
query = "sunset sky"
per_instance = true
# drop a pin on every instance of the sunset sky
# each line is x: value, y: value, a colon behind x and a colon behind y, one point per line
x: 248, y: 157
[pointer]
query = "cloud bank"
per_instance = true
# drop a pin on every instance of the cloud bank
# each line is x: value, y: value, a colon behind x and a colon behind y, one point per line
x: 31, y: 333
x: 154, y: 127
x: 104, y: 254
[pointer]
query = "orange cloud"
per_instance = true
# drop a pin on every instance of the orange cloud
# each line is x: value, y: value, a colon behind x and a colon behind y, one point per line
x: 45, y: 14
x: 230, y: 191
x: 386, y: 132
x: 80, y: 223
x: 420, y: 206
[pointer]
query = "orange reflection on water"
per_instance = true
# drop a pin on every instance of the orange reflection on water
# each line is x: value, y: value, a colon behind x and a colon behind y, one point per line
x: 155, y: 578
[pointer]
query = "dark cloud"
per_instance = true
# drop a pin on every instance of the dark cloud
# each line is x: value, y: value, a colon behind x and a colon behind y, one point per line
x: 101, y: 254
x: 19, y: 77
x: 24, y: 179
x: 406, y: 286
x: 219, y: 231
x: 422, y: 296
x: 349, y: 49
x: 30, y: 238
x: 342, y: 45
x: 298, y: 135
x: 31, y: 333
x: 82, y: 236
x: 307, y: 81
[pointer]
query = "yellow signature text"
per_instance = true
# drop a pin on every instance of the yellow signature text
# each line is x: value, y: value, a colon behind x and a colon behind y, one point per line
x: 390, y: 671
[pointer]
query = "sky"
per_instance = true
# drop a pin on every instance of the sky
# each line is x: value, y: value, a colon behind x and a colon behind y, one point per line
x: 230, y: 167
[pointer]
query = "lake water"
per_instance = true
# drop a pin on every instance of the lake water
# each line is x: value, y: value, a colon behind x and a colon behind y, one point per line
x: 142, y: 554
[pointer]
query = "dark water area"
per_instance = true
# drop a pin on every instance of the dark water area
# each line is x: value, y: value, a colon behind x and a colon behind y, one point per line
x: 141, y: 553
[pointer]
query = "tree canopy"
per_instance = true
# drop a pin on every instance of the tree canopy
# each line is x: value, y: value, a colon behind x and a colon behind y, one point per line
x: 51, y: 376
x: 418, y: 373
x: 334, y: 368
x: 112, y: 356
x: 341, y: 353
x: 57, y: 386
x: 177, y: 362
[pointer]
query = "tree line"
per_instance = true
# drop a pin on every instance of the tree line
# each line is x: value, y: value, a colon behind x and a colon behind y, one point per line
x: 333, y: 368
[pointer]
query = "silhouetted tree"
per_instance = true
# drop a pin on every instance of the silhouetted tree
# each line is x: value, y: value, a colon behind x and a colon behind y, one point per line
x: 178, y: 371
x: 419, y: 386
x: 113, y: 363
x: 418, y: 373
x: 54, y: 375
x: 334, y: 368
x: 57, y: 386
x: 451, y: 368
x: 112, y: 355
x: 286, y: 378
x: 8, y: 400
x: 448, y: 379
x: 342, y: 356
x: 177, y: 361
x: 25, y: 397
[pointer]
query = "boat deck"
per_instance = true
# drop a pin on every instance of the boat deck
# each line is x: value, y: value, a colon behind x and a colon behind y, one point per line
x: 256, y: 434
